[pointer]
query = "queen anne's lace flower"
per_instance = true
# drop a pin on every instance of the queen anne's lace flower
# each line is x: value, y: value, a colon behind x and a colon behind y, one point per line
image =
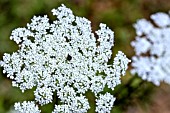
x: 64, y: 57
x: 104, y: 103
x: 152, y: 61
x: 26, y: 107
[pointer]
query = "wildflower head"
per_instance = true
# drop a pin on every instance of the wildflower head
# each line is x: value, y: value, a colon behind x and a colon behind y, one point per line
x: 64, y: 57
x: 152, y: 49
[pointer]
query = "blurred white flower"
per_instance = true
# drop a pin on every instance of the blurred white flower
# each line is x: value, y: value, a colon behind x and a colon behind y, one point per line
x: 161, y: 19
x: 64, y: 57
x: 152, y: 60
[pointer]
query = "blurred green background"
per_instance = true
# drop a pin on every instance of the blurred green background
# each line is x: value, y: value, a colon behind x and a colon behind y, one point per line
x: 133, y: 95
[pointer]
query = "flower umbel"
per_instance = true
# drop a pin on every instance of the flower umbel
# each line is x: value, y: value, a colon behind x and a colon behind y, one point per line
x: 26, y: 107
x: 64, y: 57
x: 152, y: 61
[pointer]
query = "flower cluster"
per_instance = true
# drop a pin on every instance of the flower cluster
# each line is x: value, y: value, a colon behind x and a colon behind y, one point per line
x: 104, y: 103
x: 64, y: 57
x: 27, y: 107
x: 152, y: 49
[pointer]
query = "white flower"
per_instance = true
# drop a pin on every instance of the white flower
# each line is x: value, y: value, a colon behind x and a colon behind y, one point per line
x: 141, y: 45
x: 61, y: 109
x: 152, y: 49
x: 114, y: 71
x: 97, y: 84
x: 143, y: 27
x: 43, y: 95
x: 75, y: 104
x: 26, y: 107
x: 64, y: 57
x: 104, y: 103
x: 161, y: 19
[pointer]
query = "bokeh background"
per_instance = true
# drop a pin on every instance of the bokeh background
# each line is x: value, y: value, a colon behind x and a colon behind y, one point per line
x: 133, y: 95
